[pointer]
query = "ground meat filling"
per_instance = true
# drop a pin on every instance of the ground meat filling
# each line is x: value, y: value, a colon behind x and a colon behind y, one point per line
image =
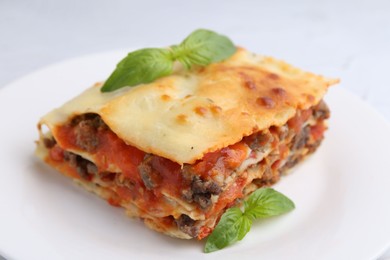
x: 86, y: 127
x: 187, y: 225
x: 321, y: 111
x: 86, y: 169
x: 150, y: 177
x: 49, y: 142
x: 259, y: 142
x: 145, y: 169
x: 199, y: 190
x: 300, y: 139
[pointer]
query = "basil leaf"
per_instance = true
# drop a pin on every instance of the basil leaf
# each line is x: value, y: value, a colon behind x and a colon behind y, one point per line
x: 203, y: 47
x: 141, y: 66
x: 146, y: 65
x: 246, y: 224
x: 231, y: 228
x: 235, y: 224
x: 267, y: 202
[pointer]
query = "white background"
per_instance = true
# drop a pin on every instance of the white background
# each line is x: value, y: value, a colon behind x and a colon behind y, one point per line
x: 349, y: 40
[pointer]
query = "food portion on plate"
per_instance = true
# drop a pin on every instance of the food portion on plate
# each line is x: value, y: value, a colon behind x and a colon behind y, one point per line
x: 177, y: 136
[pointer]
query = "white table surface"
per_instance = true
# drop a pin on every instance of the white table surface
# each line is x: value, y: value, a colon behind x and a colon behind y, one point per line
x: 345, y: 39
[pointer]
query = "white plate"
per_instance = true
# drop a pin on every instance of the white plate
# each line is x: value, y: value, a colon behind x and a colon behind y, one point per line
x: 341, y: 193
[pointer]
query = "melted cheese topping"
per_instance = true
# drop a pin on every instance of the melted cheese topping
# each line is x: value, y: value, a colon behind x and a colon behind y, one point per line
x: 183, y: 116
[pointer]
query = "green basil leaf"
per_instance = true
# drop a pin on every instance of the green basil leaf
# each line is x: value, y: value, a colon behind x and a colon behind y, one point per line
x: 235, y: 224
x: 203, y: 47
x: 141, y: 66
x: 267, y: 202
x: 245, y: 226
x: 146, y: 65
x: 231, y: 228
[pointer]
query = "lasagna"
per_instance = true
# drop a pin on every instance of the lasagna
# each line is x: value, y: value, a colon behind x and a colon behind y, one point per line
x: 179, y: 151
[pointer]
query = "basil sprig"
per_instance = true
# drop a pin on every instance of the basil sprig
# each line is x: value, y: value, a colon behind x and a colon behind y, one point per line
x: 203, y: 47
x: 200, y: 48
x: 236, y: 223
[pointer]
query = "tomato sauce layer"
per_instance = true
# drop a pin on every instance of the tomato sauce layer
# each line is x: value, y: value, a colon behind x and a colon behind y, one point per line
x: 114, y: 153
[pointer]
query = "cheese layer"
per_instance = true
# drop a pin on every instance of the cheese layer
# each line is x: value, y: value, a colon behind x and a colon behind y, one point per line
x: 183, y: 116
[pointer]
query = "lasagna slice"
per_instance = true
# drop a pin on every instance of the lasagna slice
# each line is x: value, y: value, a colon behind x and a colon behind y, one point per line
x: 181, y: 150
